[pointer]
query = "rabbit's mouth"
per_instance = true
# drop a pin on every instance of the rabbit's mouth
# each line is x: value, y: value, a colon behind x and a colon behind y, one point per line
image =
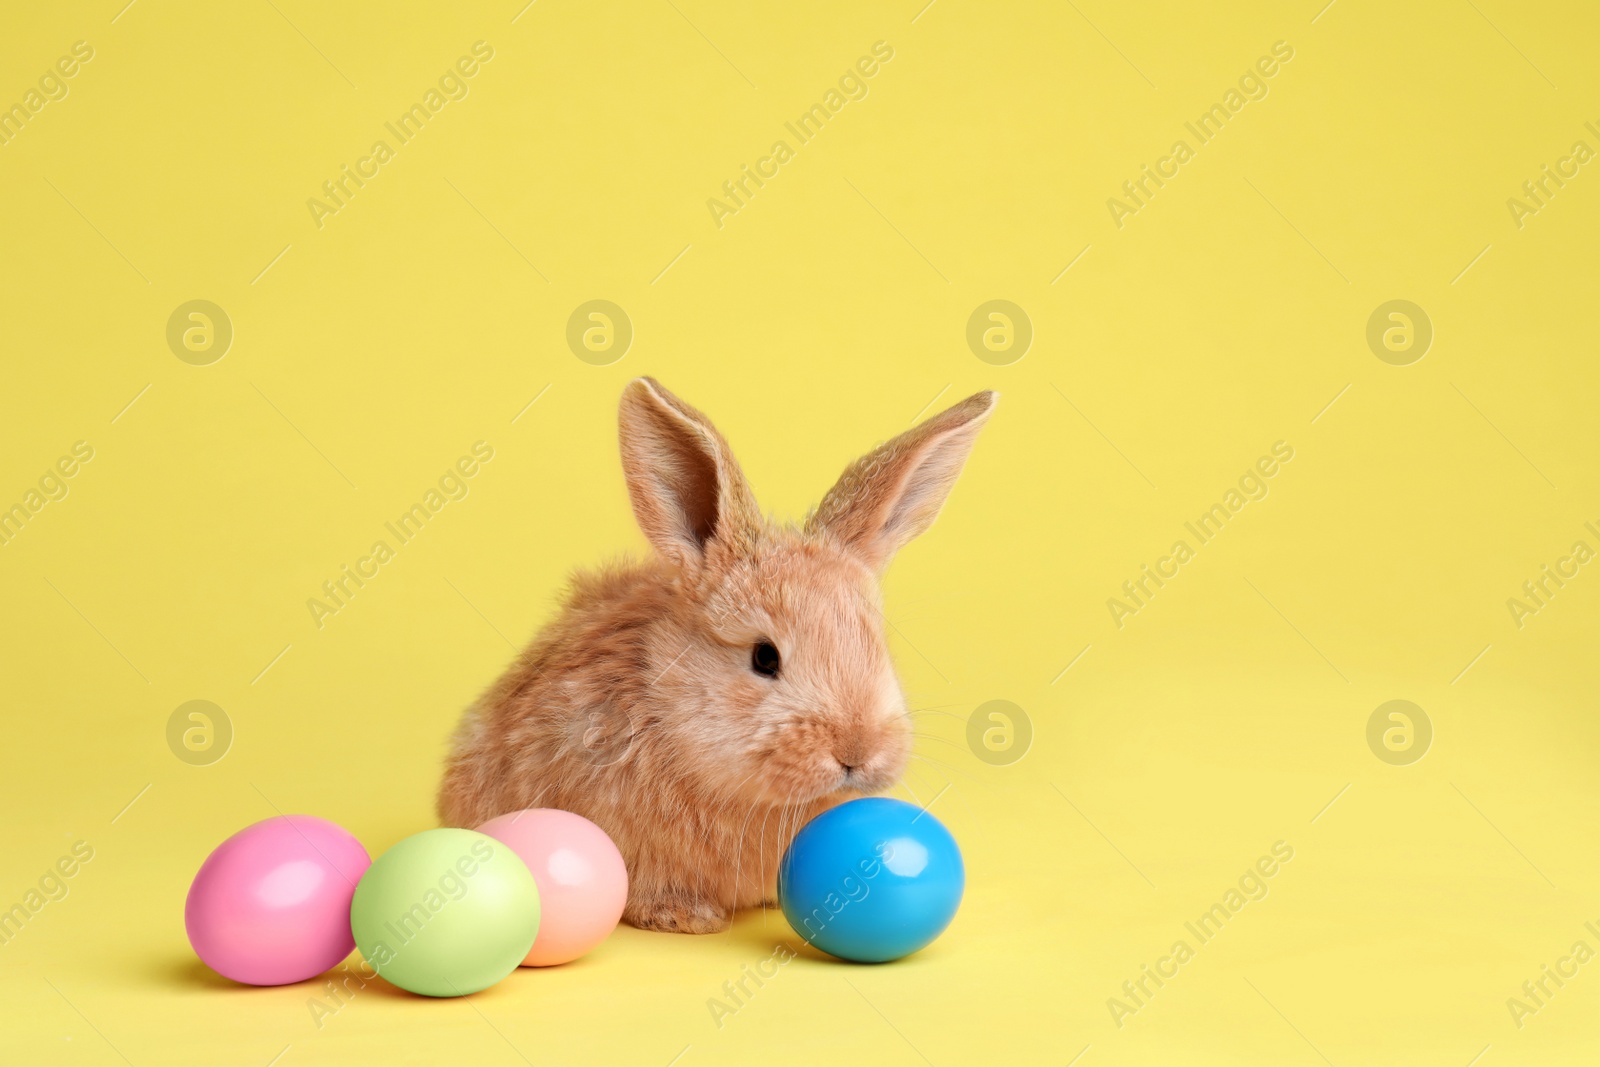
x: 873, y: 776
x: 837, y: 781
x: 817, y: 758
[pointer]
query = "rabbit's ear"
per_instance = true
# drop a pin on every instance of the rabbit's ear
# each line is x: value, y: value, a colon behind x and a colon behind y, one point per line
x: 686, y: 487
x: 894, y: 492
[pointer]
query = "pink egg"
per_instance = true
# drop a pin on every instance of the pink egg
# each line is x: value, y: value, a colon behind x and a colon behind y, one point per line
x: 271, y: 904
x: 583, y: 883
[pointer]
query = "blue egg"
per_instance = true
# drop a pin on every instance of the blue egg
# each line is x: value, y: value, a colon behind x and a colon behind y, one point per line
x: 871, y: 880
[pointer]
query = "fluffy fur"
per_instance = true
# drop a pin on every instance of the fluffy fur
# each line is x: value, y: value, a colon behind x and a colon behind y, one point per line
x: 638, y: 707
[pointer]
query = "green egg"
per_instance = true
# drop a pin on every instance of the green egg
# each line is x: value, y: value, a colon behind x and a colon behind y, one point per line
x: 445, y: 913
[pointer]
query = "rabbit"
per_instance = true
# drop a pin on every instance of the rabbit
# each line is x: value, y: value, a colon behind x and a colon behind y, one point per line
x: 704, y: 704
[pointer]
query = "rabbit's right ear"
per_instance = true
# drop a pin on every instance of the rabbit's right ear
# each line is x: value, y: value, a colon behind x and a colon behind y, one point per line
x: 686, y: 487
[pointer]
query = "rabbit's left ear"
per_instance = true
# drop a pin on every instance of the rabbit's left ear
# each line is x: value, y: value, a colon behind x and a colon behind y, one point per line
x: 686, y: 487
x: 894, y: 492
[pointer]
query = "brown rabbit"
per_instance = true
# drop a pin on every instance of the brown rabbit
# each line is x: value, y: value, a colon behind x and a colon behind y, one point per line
x: 700, y: 706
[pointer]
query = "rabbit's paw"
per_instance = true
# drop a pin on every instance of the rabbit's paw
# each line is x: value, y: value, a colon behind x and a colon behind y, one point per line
x: 678, y: 915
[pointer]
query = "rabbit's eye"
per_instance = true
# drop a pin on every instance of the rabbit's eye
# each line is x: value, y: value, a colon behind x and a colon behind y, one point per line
x: 764, y: 659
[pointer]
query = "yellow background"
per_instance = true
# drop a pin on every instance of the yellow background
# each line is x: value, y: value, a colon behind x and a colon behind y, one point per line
x: 825, y: 316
